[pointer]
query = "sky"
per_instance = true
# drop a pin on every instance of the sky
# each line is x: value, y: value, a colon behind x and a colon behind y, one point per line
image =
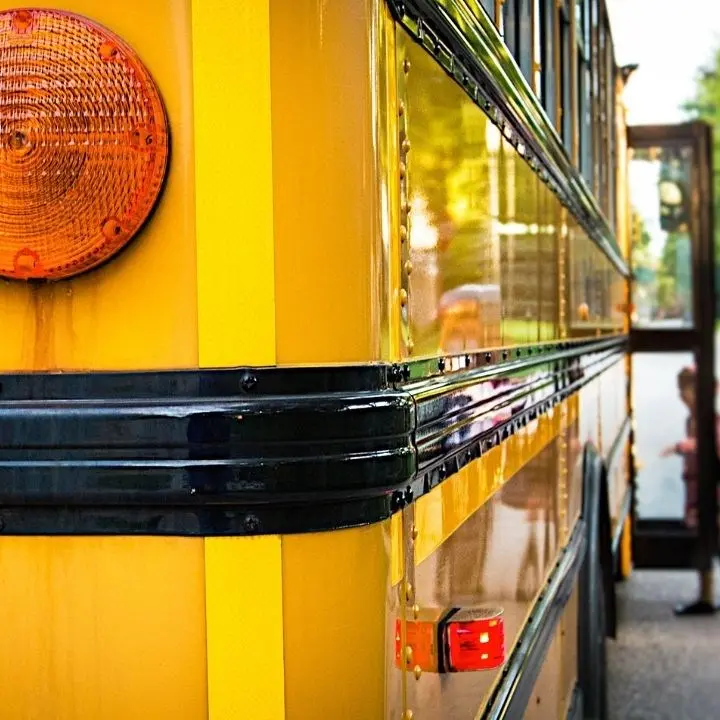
x: 670, y: 40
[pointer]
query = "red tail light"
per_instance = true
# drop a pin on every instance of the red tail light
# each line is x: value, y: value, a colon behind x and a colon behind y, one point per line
x: 475, y: 640
x: 454, y: 640
x: 83, y: 144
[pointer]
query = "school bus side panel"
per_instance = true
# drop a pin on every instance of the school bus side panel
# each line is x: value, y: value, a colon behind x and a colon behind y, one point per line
x: 139, y: 310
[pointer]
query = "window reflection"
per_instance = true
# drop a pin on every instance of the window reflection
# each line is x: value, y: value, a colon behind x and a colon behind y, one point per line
x: 661, y: 254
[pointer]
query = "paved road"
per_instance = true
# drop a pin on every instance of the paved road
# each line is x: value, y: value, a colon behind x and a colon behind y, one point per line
x: 660, y: 421
x: 662, y: 667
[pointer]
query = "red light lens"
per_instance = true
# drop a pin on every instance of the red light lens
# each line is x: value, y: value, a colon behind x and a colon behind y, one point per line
x: 83, y: 144
x: 475, y: 641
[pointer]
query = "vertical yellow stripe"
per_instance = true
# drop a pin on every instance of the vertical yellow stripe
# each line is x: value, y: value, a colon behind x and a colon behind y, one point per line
x: 233, y: 182
x: 243, y: 580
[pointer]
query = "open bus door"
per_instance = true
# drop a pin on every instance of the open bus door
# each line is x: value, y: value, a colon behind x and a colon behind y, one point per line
x: 672, y: 341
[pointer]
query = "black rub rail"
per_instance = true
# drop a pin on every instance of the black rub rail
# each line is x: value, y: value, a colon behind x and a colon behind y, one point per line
x: 269, y: 450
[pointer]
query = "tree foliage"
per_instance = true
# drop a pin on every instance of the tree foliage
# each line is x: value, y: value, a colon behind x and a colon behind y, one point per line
x: 705, y: 105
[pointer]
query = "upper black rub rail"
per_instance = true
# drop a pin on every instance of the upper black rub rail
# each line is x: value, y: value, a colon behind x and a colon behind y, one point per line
x: 256, y: 451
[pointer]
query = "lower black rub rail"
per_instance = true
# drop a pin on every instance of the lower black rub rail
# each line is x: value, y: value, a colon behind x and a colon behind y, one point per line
x: 518, y: 679
x: 263, y: 450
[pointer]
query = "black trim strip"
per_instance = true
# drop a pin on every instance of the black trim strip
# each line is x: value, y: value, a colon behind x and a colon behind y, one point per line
x: 469, y: 48
x: 257, y: 451
x: 663, y: 545
x: 620, y: 521
x: 510, y: 698
x: 654, y: 340
x: 620, y: 439
x: 575, y: 711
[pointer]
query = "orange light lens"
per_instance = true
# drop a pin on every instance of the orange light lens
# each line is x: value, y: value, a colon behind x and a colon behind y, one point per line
x: 83, y: 144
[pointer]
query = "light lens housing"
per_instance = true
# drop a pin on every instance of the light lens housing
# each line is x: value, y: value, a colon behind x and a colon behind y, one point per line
x: 475, y: 640
x: 83, y: 144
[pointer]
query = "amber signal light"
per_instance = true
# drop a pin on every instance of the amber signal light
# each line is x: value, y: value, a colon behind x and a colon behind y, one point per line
x: 451, y: 640
x: 83, y: 144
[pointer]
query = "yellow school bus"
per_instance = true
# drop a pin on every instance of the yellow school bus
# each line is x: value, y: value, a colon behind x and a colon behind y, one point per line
x: 250, y: 465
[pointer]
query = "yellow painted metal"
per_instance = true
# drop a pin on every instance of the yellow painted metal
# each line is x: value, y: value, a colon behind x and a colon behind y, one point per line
x: 331, y: 104
x: 335, y: 609
x: 568, y: 675
x: 481, y: 217
x: 443, y: 510
x: 233, y: 181
x: 139, y: 311
x: 500, y: 556
x: 545, y: 702
x: 102, y: 628
x: 626, y: 563
x: 244, y: 606
x: 397, y: 554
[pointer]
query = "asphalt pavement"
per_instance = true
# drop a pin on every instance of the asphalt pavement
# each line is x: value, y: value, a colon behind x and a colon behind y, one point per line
x: 662, y: 667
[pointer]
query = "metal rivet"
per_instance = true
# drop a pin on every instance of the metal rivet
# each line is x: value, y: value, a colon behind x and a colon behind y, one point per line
x: 408, y: 591
x: 410, y: 345
x: 408, y: 715
x: 402, y: 170
x: 403, y: 296
x: 417, y: 670
x: 416, y: 611
x: 403, y: 233
x: 405, y: 147
x: 408, y: 654
x: 406, y: 66
x: 408, y: 267
x: 251, y: 523
x: 248, y: 382
x: 401, y: 108
x: 414, y: 533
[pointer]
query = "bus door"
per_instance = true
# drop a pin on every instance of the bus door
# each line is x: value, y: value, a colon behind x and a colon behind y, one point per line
x: 672, y: 340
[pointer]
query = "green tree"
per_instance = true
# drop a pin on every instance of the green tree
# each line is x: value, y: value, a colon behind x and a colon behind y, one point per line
x: 705, y: 105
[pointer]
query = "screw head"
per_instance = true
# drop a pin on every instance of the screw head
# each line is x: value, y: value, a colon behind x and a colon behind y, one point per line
x: 251, y: 524
x: 397, y: 501
x: 248, y: 382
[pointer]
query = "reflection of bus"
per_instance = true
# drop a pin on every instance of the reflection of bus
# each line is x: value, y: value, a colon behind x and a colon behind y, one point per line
x: 470, y: 318
x: 225, y: 472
